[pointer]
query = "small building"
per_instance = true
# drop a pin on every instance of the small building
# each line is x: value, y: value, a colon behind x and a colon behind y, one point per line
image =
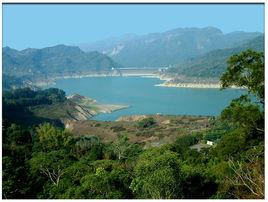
x: 210, y: 142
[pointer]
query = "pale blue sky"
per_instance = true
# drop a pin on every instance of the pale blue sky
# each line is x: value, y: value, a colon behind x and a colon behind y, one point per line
x: 37, y: 26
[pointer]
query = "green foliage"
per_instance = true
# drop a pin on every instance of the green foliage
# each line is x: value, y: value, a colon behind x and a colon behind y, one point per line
x: 196, y: 186
x: 246, y: 69
x: 17, y: 136
x: 17, y: 149
x: 237, y: 153
x: 29, y: 97
x: 214, y: 135
x: 146, y: 123
x: 49, y: 138
x: 217, y: 169
x: 240, y: 177
x: 106, y: 184
x: 8, y: 178
x: 121, y: 146
x: 48, y: 170
x: 17, y: 104
x: 157, y: 175
x: 231, y: 145
x: 244, y: 114
x: 53, y: 94
x: 69, y: 181
x: 186, y: 141
x: 183, y: 143
x: 124, y: 149
x: 46, y: 162
x: 101, y: 180
x: 89, y: 147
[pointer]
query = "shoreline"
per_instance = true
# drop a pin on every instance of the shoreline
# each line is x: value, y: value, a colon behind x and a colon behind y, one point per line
x: 194, y: 85
x: 166, y: 84
x: 52, y: 81
x: 188, y: 85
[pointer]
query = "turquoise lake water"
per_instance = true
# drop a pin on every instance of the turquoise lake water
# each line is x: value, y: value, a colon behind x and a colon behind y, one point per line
x: 145, y: 98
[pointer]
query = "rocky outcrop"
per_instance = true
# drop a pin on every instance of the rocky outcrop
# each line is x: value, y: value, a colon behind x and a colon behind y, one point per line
x: 86, y: 107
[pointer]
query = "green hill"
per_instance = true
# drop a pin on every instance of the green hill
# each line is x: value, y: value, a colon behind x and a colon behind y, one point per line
x: 213, y: 64
x: 59, y: 60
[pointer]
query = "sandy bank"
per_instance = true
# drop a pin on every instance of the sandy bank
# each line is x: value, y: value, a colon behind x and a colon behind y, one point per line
x: 193, y: 85
x: 188, y: 85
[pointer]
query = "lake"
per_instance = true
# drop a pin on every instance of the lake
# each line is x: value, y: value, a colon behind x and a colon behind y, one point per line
x: 144, y: 97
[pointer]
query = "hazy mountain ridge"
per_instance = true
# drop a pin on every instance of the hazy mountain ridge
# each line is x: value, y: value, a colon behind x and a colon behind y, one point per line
x: 198, y: 52
x: 56, y: 60
x: 214, y: 63
x: 167, y: 48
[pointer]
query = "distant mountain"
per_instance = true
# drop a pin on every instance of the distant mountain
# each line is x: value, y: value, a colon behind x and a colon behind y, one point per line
x: 167, y: 48
x: 57, y: 60
x: 214, y: 63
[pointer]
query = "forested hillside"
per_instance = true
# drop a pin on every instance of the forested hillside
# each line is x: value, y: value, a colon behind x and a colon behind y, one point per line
x: 54, y: 61
x: 18, y: 105
x: 30, y: 107
x: 11, y: 82
x: 214, y: 63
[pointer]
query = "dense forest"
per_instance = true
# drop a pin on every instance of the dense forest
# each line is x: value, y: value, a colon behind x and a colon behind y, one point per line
x: 42, y: 160
x: 17, y: 105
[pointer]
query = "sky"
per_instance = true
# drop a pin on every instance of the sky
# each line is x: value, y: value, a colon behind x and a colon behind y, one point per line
x: 43, y: 25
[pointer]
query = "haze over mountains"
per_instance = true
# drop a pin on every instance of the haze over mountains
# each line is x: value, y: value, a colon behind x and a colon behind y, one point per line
x: 200, y: 52
x: 167, y: 48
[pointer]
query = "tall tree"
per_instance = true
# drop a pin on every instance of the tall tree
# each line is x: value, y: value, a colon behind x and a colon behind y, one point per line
x: 157, y: 175
x: 246, y: 179
x: 246, y: 69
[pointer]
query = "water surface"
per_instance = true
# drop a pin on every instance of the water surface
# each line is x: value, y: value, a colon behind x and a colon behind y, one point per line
x: 145, y: 98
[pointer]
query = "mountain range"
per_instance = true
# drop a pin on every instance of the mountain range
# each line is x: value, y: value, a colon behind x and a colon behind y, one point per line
x: 197, y: 52
x: 58, y: 60
x: 167, y: 48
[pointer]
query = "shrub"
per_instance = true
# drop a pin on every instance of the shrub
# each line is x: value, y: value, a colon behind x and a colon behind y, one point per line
x: 146, y: 123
